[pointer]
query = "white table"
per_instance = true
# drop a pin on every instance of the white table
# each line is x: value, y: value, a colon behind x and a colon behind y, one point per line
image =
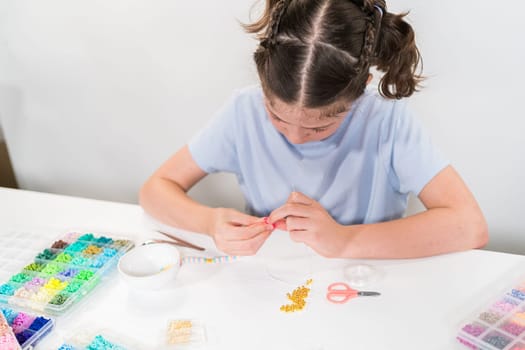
x: 422, y: 305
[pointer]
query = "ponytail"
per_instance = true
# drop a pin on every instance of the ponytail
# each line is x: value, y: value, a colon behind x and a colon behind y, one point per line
x: 397, y: 55
x: 259, y: 26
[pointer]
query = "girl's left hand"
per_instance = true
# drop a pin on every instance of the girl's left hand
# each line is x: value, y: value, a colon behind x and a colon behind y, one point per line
x: 308, y: 222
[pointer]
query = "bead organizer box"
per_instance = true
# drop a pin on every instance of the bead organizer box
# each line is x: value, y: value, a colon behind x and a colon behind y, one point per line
x: 98, y: 340
x: 26, y: 329
x: 7, y: 337
x: 60, y: 273
x: 500, y: 325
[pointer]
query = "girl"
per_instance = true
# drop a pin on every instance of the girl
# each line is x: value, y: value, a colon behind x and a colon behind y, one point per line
x: 318, y: 154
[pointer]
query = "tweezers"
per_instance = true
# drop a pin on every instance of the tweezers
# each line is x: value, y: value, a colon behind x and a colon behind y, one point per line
x: 179, y: 241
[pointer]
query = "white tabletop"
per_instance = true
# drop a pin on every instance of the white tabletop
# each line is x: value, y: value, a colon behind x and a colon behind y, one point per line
x: 422, y: 304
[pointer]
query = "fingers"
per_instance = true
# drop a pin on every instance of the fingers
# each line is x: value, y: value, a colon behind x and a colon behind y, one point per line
x: 246, y: 247
x: 280, y: 225
x: 240, y: 219
x: 290, y: 209
x: 300, y: 198
x: 242, y: 233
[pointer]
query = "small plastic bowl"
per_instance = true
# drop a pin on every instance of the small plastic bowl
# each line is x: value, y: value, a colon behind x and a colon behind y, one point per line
x: 150, y: 266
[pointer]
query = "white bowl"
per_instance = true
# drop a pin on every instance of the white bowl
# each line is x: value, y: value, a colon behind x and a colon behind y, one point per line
x: 150, y: 266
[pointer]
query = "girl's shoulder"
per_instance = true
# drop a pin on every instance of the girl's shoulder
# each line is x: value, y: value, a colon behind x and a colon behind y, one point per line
x: 371, y: 106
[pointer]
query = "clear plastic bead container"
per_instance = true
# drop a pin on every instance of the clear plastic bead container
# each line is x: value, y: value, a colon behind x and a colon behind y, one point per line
x: 499, y: 325
x: 50, y: 277
x: 85, y: 339
x: 26, y: 328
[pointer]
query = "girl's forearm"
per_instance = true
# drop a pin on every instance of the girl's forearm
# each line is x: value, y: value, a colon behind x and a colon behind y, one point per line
x: 435, y: 231
x: 167, y: 202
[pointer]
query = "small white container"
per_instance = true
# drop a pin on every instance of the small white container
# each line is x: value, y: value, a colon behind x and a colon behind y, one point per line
x: 150, y: 266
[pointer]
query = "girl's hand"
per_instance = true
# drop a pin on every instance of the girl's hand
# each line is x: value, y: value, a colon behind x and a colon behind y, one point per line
x: 236, y: 233
x: 308, y: 222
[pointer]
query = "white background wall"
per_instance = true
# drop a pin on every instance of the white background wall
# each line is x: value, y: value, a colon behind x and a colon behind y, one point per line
x: 94, y: 95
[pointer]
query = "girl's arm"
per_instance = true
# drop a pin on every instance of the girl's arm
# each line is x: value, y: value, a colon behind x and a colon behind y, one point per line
x: 164, y: 196
x: 453, y: 221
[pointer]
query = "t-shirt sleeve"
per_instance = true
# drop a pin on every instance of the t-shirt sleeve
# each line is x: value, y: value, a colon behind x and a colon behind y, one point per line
x: 414, y: 159
x: 213, y: 148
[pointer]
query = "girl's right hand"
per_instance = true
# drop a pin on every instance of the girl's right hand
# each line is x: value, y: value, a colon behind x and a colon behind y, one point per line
x: 236, y: 233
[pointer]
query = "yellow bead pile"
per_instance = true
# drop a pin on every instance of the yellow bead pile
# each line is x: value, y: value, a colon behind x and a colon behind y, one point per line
x: 54, y: 284
x: 297, y: 297
x: 92, y: 250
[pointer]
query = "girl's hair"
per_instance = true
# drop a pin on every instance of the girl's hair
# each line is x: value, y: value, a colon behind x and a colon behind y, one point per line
x: 319, y: 52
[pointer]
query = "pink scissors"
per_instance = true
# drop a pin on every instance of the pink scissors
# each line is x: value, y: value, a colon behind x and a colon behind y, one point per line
x: 340, y: 293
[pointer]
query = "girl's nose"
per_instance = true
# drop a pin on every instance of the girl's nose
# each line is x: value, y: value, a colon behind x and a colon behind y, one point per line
x: 297, y: 135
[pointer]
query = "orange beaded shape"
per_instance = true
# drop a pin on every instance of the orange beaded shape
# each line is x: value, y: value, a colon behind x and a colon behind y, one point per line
x: 297, y: 297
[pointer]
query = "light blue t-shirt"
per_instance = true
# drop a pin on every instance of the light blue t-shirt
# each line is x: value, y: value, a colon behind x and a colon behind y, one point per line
x: 362, y: 173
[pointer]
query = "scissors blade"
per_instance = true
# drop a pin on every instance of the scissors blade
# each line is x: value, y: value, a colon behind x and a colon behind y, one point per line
x: 368, y: 294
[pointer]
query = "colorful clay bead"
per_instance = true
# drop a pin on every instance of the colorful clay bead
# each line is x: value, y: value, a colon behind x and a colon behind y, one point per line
x: 497, y: 340
x: 7, y: 289
x: 35, y: 283
x: 70, y: 272
x: 79, y: 261
x: 59, y: 299
x: 87, y: 237
x: 21, y: 322
x: 52, y: 269
x: 63, y: 258
x: 21, y: 278
x: 84, y: 275
x: 119, y: 243
x: 55, y: 284
x: 490, y: 317
x: 66, y: 347
x: 76, y: 247
x: 73, y: 286
x: 100, y: 343
x: 109, y: 252
x: 34, y: 267
x: 60, y: 244
x: 104, y: 240
x: 47, y: 254
x: 92, y: 250
x: 518, y: 294
x: 38, y: 323
x: 513, y: 328
x: 474, y: 329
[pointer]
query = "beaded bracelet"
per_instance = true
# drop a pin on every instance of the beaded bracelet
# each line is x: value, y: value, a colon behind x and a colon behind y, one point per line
x: 204, y: 260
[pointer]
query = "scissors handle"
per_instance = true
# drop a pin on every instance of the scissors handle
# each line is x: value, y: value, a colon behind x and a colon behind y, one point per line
x: 340, y: 293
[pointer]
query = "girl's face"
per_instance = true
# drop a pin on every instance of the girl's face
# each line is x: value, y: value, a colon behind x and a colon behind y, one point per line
x: 301, y: 125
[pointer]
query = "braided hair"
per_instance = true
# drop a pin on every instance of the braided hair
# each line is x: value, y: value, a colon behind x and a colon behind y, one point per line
x: 318, y: 52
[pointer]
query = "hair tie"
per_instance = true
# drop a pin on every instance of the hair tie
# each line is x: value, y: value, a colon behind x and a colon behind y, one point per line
x: 379, y: 9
